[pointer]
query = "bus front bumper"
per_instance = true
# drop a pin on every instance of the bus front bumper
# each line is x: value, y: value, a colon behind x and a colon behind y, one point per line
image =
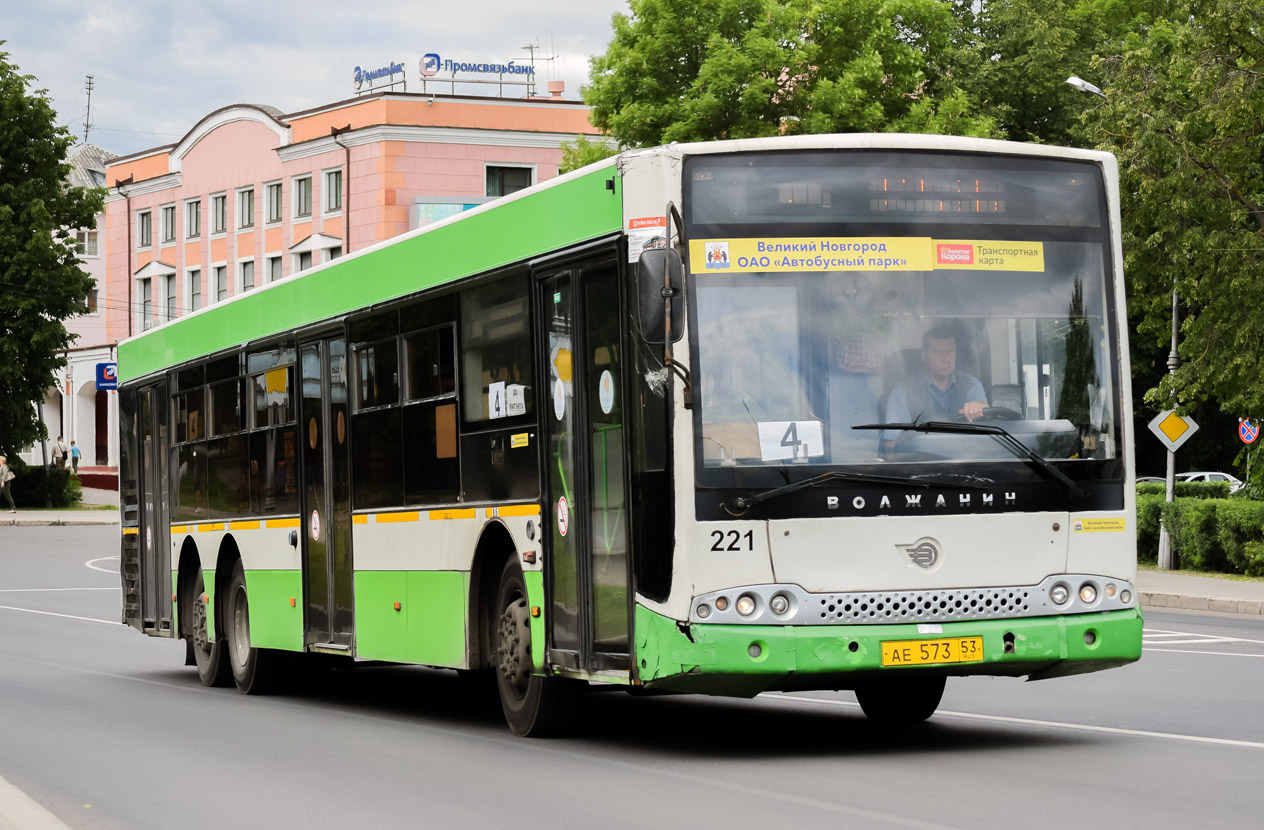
x: 744, y: 660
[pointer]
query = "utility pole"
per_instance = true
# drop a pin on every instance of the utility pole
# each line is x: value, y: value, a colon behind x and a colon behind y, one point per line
x: 87, y: 119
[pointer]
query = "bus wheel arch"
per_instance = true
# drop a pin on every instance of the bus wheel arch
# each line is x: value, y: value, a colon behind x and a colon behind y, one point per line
x: 495, y: 547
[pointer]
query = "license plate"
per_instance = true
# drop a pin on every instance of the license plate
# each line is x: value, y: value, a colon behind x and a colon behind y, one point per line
x: 932, y: 652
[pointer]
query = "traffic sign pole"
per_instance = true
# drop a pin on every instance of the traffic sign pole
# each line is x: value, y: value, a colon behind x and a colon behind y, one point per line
x: 1173, y: 430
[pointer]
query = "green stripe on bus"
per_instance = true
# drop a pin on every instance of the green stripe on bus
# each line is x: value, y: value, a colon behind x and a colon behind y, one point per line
x: 545, y: 221
x: 428, y: 628
x: 534, y: 583
x: 274, y: 623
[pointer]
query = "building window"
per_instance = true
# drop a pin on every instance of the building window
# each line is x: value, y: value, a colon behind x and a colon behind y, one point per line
x: 303, y: 196
x: 272, y: 193
x: 274, y: 268
x: 145, y: 299
x: 246, y: 208
x: 169, y: 223
x: 303, y: 261
x: 247, y: 275
x: 219, y: 213
x: 195, y: 289
x: 193, y: 219
x: 221, y: 282
x: 171, y: 297
x: 501, y: 181
x: 86, y: 243
x: 91, y: 301
x: 333, y: 191
x: 144, y: 229
x: 333, y: 253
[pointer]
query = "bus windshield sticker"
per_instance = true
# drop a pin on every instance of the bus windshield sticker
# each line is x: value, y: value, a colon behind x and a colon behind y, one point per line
x: 563, y: 515
x: 496, y: 400
x: 829, y: 254
x: 605, y: 392
x: 645, y: 234
x: 519, y: 439
x: 780, y: 440
x: 559, y: 399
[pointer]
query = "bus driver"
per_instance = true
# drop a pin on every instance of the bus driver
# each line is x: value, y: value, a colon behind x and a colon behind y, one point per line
x: 938, y: 392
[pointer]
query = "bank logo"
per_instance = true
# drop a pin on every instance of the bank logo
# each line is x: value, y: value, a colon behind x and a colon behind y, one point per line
x: 430, y: 64
x: 924, y: 553
x: 358, y: 77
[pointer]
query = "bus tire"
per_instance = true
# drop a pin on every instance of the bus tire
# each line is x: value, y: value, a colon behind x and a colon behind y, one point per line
x: 534, y: 706
x: 209, y: 654
x: 255, y: 670
x: 901, y: 700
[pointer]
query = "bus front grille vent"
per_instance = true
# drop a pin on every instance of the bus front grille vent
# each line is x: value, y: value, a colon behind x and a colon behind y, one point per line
x: 920, y: 606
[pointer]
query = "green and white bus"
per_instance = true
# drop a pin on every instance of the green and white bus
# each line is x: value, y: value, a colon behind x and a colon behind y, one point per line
x: 819, y: 412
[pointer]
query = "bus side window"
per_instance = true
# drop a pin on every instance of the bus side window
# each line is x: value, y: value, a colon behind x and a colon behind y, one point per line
x: 431, y: 469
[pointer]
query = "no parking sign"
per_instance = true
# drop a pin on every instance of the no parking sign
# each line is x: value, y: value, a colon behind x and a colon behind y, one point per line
x: 1248, y: 430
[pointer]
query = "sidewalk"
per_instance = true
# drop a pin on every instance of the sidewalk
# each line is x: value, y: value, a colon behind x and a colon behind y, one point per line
x: 28, y: 517
x: 1172, y: 589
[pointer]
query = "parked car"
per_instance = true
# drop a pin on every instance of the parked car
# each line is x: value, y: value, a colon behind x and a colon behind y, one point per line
x: 1143, y: 479
x: 1235, y: 484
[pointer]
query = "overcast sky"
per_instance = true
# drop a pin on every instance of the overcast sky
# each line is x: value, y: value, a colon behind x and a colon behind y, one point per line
x: 159, y: 67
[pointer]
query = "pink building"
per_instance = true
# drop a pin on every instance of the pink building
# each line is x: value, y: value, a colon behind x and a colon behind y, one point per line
x: 251, y: 195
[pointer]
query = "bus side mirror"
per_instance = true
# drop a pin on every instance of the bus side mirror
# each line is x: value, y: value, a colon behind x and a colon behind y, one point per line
x: 659, y: 287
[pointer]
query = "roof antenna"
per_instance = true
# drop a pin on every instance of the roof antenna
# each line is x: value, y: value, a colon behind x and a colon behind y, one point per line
x: 87, y: 119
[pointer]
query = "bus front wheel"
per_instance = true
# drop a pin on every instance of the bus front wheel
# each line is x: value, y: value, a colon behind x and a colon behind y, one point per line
x: 255, y: 670
x: 534, y: 706
x: 901, y: 700
x: 208, y: 653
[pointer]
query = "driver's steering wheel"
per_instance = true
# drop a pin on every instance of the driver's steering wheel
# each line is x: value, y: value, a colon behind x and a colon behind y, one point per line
x: 995, y: 413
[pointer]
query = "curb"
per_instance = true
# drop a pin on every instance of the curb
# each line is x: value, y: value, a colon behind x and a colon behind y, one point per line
x: 18, y: 811
x: 1249, y: 607
x: 56, y: 523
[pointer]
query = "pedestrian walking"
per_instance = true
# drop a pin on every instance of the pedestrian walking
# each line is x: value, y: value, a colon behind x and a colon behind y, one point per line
x: 74, y: 457
x: 60, y: 451
x: 7, y: 476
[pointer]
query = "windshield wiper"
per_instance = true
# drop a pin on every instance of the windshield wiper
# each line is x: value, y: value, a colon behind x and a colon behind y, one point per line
x: 967, y: 480
x: 743, y: 503
x: 1000, y: 434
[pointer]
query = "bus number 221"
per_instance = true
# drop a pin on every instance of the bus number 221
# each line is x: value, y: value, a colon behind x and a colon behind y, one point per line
x: 735, y: 540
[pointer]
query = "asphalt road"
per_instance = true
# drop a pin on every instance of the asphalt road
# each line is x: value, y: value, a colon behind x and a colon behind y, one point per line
x: 107, y: 729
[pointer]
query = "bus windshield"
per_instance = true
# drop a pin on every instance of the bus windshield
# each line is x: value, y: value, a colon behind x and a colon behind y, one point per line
x: 859, y: 306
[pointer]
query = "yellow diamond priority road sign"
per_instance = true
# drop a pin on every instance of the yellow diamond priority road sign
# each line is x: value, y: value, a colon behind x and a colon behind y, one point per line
x: 1172, y: 429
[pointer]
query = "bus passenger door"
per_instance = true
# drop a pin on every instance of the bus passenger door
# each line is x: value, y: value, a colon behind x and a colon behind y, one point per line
x: 153, y: 408
x: 328, y: 573
x: 585, y: 501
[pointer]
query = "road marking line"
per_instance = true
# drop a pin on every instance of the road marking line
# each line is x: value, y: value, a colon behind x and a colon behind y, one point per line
x: 1084, y: 727
x: 17, y: 809
x: 1215, y: 653
x: 39, y: 590
x: 90, y: 564
x: 63, y: 616
x: 1194, y: 634
x: 1203, y: 641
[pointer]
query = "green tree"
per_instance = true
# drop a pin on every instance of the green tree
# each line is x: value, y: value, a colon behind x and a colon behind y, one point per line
x: 1185, y: 115
x: 583, y: 152
x: 692, y: 70
x: 41, y: 281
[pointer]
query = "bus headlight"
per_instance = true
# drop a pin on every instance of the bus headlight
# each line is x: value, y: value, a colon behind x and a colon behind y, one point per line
x: 1060, y: 593
x: 745, y: 605
x: 704, y: 611
x: 721, y: 603
x: 1088, y: 593
x: 779, y: 604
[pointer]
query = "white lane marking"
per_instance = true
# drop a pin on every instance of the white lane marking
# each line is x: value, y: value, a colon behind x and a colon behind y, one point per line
x: 63, y: 616
x: 1082, y: 727
x: 1214, y: 637
x: 91, y: 563
x: 17, y: 809
x: 1213, y: 653
x: 1195, y: 641
x: 41, y: 590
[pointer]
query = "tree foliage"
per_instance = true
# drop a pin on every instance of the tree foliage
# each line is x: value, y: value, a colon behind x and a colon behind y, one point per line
x: 692, y: 70
x: 41, y: 281
x: 583, y: 152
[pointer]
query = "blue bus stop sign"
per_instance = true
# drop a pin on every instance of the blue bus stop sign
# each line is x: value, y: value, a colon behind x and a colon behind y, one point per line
x: 107, y: 376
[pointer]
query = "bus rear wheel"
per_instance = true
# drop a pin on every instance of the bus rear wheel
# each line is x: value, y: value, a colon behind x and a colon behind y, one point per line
x: 534, y: 706
x: 208, y: 652
x: 255, y: 670
x: 901, y: 700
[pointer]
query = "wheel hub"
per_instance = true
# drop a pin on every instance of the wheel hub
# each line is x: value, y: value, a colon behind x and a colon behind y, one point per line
x: 513, y: 645
x: 200, y: 640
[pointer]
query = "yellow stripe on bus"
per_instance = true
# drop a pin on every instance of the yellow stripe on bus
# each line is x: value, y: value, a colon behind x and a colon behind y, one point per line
x: 386, y: 518
x: 243, y: 525
x: 214, y: 526
x: 131, y: 531
x: 177, y: 529
x: 467, y: 513
x: 514, y: 510
x: 360, y: 519
x: 282, y: 523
